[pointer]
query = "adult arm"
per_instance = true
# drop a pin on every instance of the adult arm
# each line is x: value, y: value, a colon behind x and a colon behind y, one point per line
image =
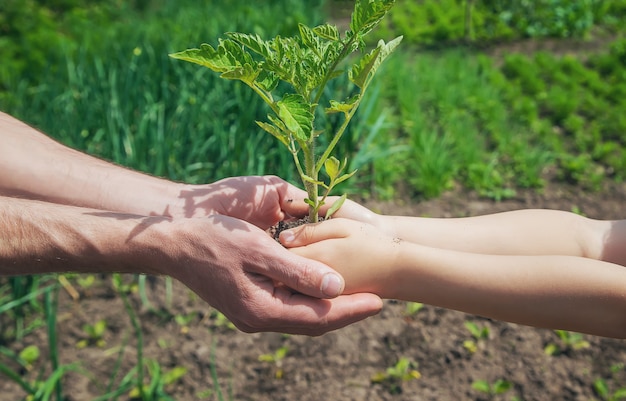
x: 550, y: 291
x: 39, y: 237
x: 34, y: 167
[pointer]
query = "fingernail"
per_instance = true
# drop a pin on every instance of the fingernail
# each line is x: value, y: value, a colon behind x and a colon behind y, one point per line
x: 332, y: 285
x: 287, y: 236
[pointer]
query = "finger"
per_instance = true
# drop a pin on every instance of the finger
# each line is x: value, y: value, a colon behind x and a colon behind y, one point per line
x: 301, y: 314
x: 311, y: 233
x: 354, y: 211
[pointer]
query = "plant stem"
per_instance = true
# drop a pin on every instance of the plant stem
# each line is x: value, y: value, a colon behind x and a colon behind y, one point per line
x: 311, y: 187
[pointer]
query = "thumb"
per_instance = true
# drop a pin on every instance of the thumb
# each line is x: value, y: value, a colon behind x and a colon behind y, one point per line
x: 308, y: 234
x: 307, y: 276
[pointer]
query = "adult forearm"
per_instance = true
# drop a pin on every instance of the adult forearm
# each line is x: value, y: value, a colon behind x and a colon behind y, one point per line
x: 558, y: 292
x: 34, y: 166
x: 40, y: 237
x: 522, y: 232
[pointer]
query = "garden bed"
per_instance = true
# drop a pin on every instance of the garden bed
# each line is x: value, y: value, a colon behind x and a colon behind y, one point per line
x: 340, y: 365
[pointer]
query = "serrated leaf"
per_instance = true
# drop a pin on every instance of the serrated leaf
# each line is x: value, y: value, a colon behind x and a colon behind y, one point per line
x: 275, y: 131
x: 252, y: 42
x: 332, y: 167
x: 335, y: 206
x: 367, y: 14
x: 295, y: 112
x: 309, y: 39
x: 342, y: 107
x: 245, y: 73
x: 267, y: 80
x: 362, y: 72
x: 229, y: 57
x: 327, y: 31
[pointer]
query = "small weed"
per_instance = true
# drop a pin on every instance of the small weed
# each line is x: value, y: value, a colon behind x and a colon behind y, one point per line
x: 568, y: 341
x: 29, y: 356
x: 276, y: 359
x: 412, y: 308
x: 492, y: 389
x: 94, y: 333
x: 184, y: 320
x: 404, y: 370
x: 221, y: 321
x: 478, y: 334
x: 602, y: 389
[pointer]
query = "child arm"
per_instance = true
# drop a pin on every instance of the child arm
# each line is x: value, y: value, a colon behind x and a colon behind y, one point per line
x: 558, y: 292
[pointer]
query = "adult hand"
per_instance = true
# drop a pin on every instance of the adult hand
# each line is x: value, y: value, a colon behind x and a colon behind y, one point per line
x: 259, y: 200
x: 260, y: 286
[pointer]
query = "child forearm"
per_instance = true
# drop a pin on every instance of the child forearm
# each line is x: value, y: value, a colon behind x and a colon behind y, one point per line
x: 557, y: 292
x: 523, y: 232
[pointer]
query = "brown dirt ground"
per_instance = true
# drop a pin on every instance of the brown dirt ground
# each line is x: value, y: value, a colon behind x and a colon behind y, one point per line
x: 340, y: 364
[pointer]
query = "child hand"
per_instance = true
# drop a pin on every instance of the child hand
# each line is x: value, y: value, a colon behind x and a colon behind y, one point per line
x: 361, y: 253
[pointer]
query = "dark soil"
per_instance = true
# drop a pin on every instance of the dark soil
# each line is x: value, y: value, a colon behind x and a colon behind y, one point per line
x: 341, y: 364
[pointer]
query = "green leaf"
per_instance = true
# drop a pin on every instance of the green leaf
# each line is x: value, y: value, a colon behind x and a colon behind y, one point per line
x: 253, y: 42
x: 311, y: 180
x: 295, y: 112
x: 332, y: 167
x: 344, y: 177
x: 275, y: 131
x: 481, y: 385
x: 29, y: 354
x: 342, y: 107
x: 367, y: 14
x: 335, y: 206
x: 309, y: 39
x: 327, y: 31
x: 601, y: 388
x: 620, y: 394
x: 501, y: 386
x: 362, y: 72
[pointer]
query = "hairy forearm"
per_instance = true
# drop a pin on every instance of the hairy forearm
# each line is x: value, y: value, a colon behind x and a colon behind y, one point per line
x: 36, y: 167
x: 522, y: 232
x: 558, y: 292
x: 41, y: 237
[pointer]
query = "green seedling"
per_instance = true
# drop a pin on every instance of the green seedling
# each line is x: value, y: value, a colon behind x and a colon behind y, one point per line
x: 412, y: 308
x: 86, y: 281
x: 568, y: 341
x: 220, y: 320
x: 277, y: 360
x: 29, y: 355
x: 184, y: 320
x: 304, y: 64
x: 602, y: 389
x: 392, y: 378
x: 94, y: 334
x: 478, y: 334
x: 492, y: 389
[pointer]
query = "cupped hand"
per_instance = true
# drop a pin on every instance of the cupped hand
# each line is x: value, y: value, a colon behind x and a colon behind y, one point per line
x: 361, y: 253
x: 259, y: 200
x: 259, y: 285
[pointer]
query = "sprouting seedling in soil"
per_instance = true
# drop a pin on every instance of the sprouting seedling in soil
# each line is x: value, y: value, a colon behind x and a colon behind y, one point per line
x: 478, y: 334
x: 94, y: 334
x: 569, y: 341
x: 404, y: 370
x: 492, y: 389
x: 306, y: 63
x: 276, y: 359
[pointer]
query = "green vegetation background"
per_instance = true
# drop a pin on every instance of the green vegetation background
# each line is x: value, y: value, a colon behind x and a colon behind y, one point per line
x: 96, y: 75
